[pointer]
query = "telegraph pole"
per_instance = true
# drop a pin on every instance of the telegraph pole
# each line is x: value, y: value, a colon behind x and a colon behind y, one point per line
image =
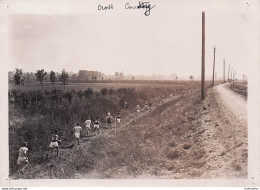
x: 224, y: 77
x: 213, y: 66
x: 231, y: 76
x: 228, y: 72
x: 203, y: 57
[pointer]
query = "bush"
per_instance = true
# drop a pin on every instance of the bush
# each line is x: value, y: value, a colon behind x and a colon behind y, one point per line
x: 69, y: 96
x: 111, y: 91
x: 80, y: 94
x: 103, y: 91
x: 88, y: 93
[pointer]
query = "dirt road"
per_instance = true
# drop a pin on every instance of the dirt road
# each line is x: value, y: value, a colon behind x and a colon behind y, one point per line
x: 224, y: 119
x: 235, y: 102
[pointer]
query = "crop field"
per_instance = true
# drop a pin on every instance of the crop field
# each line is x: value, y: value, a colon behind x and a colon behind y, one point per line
x: 139, y: 85
x: 34, y: 115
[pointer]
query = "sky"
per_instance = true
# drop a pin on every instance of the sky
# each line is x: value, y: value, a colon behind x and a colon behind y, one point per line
x: 165, y: 42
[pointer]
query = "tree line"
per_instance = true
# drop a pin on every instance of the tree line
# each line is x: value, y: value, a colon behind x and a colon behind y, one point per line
x: 19, y: 78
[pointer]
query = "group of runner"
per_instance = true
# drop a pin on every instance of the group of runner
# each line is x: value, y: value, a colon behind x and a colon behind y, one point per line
x: 55, y: 142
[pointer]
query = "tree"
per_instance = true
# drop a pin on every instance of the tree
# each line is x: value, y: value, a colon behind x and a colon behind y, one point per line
x: 40, y: 74
x: 53, y: 78
x: 74, y: 77
x: 121, y: 74
x: 64, y: 78
x: 176, y: 78
x: 191, y: 78
x: 18, y: 77
x: 133, y: 78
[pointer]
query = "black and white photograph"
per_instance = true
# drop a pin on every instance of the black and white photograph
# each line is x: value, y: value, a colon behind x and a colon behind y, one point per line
x: 130, y: 90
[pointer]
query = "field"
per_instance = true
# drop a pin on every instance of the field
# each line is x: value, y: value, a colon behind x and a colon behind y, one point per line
x: 240, y: 88
x: 155, y: 143
x: 98, y: 85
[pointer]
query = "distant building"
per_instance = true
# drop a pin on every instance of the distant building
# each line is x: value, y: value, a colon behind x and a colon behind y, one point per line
x: 85, y: 75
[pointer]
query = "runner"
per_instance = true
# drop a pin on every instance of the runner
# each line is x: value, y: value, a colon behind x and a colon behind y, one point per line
x: 118, y: 118
x: 159, y: 100
x: 23, y: 159
x: 87, y: 123
x: 54, y: 143
x: 109, y: 120
x: 146, y: 105
x: 138, y: 109
x: 97, y: 125
x: 77, y: 130
x: 150, y: 104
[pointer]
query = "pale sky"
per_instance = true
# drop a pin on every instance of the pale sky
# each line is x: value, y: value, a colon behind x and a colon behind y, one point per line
x: 168, y: 41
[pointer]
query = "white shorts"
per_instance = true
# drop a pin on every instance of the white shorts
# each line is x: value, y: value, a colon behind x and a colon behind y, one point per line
x: 77, y: 135
x: 118, y: 120
x: 54, y: 144
x: 138, y: 111
x: 96, y: 126
x: 22, y: 160
x: 88, y: 126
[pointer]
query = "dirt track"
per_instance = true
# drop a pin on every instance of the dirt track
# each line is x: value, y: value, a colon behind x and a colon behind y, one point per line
x: 224, y: 119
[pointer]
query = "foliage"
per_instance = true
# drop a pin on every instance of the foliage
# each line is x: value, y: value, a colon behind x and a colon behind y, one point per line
x: 18, y: 77
x: 53, y: 78
x: 80, y: 94
x: 64, y: 78
x: 88, y: 93
x: 103, y: 91
x: 40, y: 74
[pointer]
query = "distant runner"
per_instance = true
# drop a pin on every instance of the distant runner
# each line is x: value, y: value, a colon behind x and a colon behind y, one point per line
x: 146, y: 105
x: 23, y: 159
x: 118, y: 118
x: 138, y: 109
x: 88, y: 123
x: 54, y: 143
x: 97, y: 125
x: 109, y: 119
x: 77, y: 130
x: 150, y: 104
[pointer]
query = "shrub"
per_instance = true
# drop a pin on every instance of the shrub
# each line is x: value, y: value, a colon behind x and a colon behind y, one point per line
x: 111, y: 91
x: 80, y: 94
x: 103, y: 91
x: 88, y: 93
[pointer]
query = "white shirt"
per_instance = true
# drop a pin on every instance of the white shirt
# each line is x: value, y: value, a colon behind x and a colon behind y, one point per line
x: 77, y: 129
x: 88, y: 122
x: 22, y: 151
